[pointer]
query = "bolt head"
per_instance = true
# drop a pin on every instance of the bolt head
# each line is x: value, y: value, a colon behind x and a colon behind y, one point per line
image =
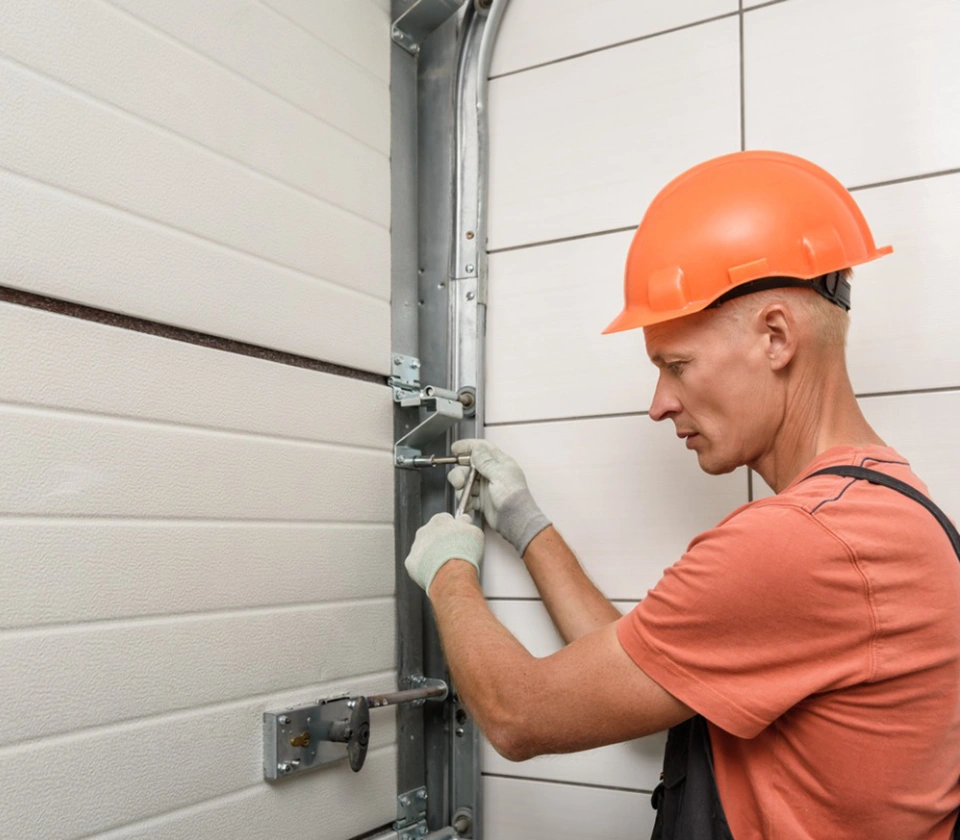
x: 283, y: 767
x: 397, y: 361
x: 284, y: 720
x: 422, y: 795
x: 405, y: 801
x: 470, y: 269
x: 470, y: 295
x: 459, y: 731
x: 414, y: 364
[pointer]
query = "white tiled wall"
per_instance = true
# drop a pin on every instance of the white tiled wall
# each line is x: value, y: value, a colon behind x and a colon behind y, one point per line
x: 189, y: 537
x: 593, y: 108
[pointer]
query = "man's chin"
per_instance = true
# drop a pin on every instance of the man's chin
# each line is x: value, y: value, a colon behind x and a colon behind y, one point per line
x: 715, y: 466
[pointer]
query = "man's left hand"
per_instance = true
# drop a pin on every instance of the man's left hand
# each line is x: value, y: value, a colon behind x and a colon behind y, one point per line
x: 443, y: 538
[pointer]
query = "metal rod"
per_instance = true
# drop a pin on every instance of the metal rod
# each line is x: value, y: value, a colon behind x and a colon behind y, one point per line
x: 395, y: 698
x: 467, y: 490
x: 435, y: 461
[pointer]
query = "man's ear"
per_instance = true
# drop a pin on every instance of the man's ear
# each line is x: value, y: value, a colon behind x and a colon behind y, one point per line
x: 778, y: 328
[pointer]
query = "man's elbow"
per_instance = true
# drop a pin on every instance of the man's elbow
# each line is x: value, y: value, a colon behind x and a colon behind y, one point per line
x: 513, y: 741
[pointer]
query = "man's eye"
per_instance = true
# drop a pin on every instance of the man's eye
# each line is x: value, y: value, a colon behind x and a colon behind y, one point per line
x: 676, y: 368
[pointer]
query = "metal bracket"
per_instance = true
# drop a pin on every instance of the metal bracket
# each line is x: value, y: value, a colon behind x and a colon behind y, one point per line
x: 411, y: 29
x: 412, y: 814
x: 441, y: 410
x: 405, y: 380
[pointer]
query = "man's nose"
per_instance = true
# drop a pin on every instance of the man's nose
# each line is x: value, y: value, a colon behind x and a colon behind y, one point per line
x: 665, y: 403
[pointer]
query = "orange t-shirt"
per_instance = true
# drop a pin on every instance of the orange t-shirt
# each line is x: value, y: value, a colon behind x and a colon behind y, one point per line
x: 818, y: 631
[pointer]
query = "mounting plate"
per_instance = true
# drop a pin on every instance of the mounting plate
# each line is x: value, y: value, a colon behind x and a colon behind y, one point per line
x: 309, y: 726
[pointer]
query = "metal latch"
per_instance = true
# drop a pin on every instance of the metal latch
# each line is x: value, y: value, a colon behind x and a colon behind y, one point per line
x: 305, y: 737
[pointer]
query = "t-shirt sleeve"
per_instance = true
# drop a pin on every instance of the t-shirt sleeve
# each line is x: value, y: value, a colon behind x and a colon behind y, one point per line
x: 761, y: 612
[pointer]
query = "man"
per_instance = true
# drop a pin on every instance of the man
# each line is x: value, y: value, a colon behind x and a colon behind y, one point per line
x: 817, y: 631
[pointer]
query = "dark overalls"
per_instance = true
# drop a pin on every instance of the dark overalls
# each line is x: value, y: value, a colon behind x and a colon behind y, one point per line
x: 687, y: 800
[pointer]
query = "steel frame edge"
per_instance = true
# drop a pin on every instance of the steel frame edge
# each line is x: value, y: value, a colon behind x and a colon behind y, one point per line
x: 439, y: 270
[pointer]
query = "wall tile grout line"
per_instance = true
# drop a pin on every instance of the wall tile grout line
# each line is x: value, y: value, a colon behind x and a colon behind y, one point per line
x: 743, y: 100
x: 943, y: 389
x: 563, y: 782
x: 488, y: 424
x: 906, y: 179
x: 212, y: 342
x: 606, y: 47
x: 572, y: 238
x: 614, y: 415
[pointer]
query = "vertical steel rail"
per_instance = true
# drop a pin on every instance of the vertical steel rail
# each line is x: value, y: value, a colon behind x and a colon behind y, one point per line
x: 439, y: 315
x: 467, y: 318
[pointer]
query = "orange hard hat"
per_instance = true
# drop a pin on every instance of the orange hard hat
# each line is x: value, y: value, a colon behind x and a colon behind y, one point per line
x: 745, y: 221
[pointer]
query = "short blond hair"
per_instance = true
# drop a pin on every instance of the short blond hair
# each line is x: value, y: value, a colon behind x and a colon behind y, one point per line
x: 829, y: 323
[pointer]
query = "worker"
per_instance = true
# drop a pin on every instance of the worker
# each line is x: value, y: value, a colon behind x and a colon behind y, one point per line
x: 805, y: 652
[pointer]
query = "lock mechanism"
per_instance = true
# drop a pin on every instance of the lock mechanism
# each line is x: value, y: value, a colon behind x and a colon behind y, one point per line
x: 305, y: 737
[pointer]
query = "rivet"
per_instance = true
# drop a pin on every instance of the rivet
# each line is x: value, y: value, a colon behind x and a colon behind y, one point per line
x: 284, y: 720
x: 405, y: 801
x: 459, y: 732
x: 283, y: 767
x: 415, y: 364
x: 469, y: 234
x: 422, y: 795
x: 470, y: 269
x: 470, y: 295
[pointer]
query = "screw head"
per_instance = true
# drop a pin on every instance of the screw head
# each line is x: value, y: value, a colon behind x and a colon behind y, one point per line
x: 470, y: 234
x: 414, y: 364
x: 397, y: 361
x: 470, y: 295
x: 422, y: 795
x: 283, y: 720
x: 470, y: 269
x: 459, y: 731
x: 283, y: 767
x: 405, y: 801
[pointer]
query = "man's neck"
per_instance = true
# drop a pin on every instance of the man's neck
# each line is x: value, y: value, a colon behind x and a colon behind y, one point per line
x: 821, y: 413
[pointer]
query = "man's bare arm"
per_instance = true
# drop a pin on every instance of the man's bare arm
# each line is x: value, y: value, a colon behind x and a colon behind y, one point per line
x: 587, y: 695
x: 575, y: 604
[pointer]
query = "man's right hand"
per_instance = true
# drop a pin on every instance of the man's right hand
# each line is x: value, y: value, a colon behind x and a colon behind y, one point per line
x: 501, y: 494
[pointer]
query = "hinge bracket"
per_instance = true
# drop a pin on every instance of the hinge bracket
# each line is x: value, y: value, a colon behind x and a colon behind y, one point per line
x: 411, y: 821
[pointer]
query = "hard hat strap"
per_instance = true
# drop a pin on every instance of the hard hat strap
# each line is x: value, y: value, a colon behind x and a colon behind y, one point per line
x: 833, y: 286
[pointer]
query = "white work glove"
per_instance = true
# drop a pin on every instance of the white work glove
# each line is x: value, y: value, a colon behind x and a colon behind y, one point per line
x: 443, y: 538
x: 502, y: 495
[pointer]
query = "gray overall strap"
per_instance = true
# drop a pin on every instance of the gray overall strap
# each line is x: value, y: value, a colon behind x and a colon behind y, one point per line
x: 875, y: 477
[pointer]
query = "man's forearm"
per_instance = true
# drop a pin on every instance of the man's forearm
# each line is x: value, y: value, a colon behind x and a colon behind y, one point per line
x: 485, y: 659
x: 576, y: 606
